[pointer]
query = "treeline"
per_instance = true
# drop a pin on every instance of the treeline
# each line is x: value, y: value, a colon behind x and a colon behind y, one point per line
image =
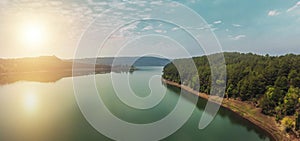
x: 272, y: 83
x: 43, y: 63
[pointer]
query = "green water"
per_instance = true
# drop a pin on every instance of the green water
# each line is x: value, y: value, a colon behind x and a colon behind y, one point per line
x: 35, y: 111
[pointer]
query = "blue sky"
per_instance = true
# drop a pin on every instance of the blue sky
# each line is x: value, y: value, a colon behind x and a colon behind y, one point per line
x: 265, y: 26
x: 258, y: 26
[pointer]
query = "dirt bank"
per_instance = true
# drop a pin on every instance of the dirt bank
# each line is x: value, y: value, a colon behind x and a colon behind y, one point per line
x: 245, y: 110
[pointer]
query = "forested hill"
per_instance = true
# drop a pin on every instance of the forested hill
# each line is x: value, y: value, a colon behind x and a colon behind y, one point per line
x: 135, y: 61
x: 39, y: 64
x: 271, y: 83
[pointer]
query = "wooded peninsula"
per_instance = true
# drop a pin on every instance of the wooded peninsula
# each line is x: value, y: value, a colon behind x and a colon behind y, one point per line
x: 270, y: 84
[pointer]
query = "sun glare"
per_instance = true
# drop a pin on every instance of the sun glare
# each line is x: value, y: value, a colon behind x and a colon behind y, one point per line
x: 33, y: 34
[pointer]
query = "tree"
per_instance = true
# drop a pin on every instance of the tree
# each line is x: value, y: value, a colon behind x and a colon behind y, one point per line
x: 270, y: 73
x: 282, y: 83
x: 229, y: 91
x: 294, y: 78
x: 287, y: 123
x: 291, y: 100
x: 297, y: 124
x: 244, y: 89
x: 267, y: 103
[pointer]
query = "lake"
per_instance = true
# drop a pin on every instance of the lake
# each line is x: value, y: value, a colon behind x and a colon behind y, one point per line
x: 47, y: 111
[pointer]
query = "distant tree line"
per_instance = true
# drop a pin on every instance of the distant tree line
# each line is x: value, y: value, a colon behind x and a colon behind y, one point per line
x: 44, y: 63
x: 272, y: 83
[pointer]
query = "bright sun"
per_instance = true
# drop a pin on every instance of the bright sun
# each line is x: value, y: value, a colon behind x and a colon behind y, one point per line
x: 33, y: 34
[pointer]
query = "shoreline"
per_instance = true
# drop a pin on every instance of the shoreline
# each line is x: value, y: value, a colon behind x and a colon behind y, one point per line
x: 49, y: 76
x: 246, y: 111
x: 71, y: 70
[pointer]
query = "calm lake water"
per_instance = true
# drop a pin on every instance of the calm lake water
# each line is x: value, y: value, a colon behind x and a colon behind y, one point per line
x: 36, y: 111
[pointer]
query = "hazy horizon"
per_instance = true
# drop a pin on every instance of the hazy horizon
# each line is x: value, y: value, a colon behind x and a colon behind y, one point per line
x: 145, y: 56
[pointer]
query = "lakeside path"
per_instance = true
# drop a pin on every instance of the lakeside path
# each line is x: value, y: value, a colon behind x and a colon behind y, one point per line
x: 245, y: 110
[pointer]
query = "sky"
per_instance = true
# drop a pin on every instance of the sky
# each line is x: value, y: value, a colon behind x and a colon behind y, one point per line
x: 56, y: 27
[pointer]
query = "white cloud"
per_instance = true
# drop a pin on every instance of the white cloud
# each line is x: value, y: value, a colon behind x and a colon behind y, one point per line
x: 92, y: 2
x: 148, y: 28
x: 175, y: 28
x: 238, y: 37
x: 273, y: 13
x: 294, y: 7
x: 217, y: 22
x: 56, y: 3
x: 209, y: 26
x: 160, y: 31
x: 236, y: 25
x: 156, y: 3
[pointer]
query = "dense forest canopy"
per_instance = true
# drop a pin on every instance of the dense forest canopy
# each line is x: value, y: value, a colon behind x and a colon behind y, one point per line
x: 270, y: 82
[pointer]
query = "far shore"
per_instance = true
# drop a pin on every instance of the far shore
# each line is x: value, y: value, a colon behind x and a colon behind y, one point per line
x: 51, y: 71
x: 74, y: 71
x: 245, y: 110
x: 53, y: 76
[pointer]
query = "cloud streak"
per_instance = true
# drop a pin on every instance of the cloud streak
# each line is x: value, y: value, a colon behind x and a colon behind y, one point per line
x: 238, y: 37
x: 236, y: 25
x: 218, y: 22
x: 273, y: 13
x: 297, y: 5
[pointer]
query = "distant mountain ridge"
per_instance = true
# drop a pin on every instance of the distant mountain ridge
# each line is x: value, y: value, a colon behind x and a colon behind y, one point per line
x: 135, y: 61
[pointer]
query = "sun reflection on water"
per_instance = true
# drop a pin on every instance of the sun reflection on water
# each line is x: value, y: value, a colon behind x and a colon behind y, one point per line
x: 30, y: 102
